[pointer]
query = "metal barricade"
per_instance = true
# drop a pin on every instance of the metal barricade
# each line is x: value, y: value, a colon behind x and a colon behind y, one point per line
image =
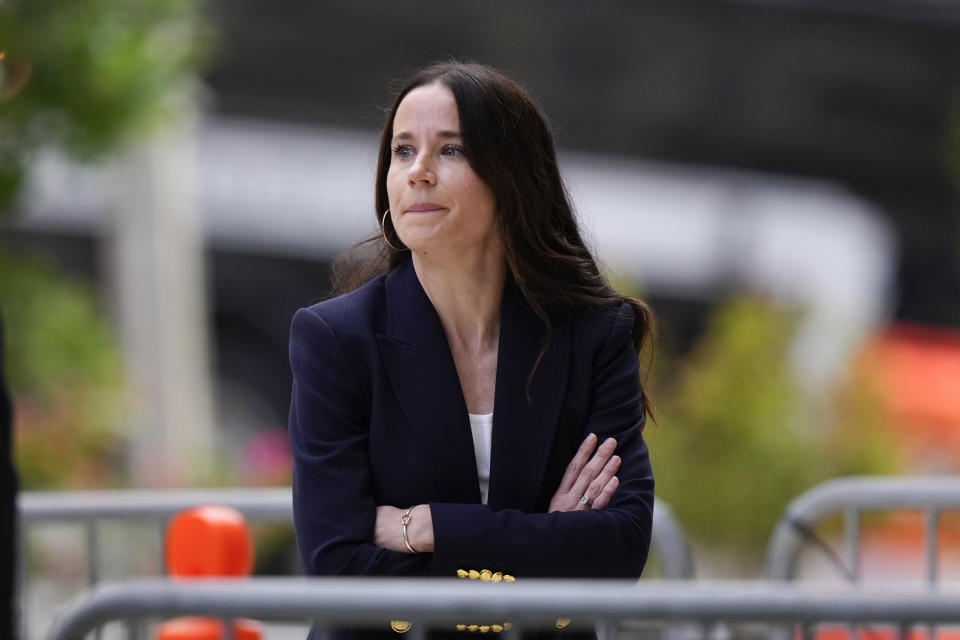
x: 444, y: 604
x: 89, y: 509
x: 851, y: 497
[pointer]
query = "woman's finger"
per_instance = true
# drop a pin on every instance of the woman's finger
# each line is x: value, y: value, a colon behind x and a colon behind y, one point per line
x: 593, y: 468
x: 606, y: 494
x: 577, y: 464
x: 609, y: 470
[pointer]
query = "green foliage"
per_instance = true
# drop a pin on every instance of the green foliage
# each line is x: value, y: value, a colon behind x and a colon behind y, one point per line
x: 86, y: 75
x: 739, y: 438
x: 66, y: 376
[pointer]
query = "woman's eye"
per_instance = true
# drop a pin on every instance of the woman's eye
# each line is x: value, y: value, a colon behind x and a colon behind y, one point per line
x: 453, y: 150
x: 402, y: 151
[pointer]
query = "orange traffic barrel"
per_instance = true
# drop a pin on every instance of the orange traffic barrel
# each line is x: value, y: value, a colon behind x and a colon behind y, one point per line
x: 869, y: 632
x: 196, y: 628
x: 209, y: 541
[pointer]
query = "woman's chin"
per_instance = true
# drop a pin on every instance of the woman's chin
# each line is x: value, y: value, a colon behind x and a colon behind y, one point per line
x: 423, y: 244
x: 425, y: 249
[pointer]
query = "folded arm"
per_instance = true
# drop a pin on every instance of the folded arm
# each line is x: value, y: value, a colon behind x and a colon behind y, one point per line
x: 334, y: 508
x: 611, y: 540
x: 336, y: 516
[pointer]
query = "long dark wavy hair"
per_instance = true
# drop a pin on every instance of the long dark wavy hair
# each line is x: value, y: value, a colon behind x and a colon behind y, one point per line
x: 508, y: 143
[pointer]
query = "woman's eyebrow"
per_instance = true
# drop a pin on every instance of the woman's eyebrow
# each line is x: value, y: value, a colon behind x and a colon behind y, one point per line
x: 406, y: 135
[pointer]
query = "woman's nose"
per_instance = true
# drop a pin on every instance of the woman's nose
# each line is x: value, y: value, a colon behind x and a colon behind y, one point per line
x: 421, y: 171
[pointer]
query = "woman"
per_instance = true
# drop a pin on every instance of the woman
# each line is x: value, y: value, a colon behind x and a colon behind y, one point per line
x: 475, y: 403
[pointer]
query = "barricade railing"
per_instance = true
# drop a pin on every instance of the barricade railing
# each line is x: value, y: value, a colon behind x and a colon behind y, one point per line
x: 89, y: 509
x: 708, y: 609
x: 851, y: 498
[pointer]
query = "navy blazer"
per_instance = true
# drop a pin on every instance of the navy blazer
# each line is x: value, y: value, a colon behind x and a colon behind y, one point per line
x: 377, y: 417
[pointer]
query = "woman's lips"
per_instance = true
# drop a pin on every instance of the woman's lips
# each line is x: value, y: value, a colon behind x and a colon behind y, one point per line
x: 424, y: 207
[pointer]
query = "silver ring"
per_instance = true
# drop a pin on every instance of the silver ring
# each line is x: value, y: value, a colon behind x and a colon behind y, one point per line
x: 587, y: 500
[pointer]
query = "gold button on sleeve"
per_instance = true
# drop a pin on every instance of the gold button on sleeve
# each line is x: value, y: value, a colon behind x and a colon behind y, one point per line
x: 485, y: 575
x: 474, y: 574
x: 400, y: 626
x: 562, y: 622
x: 461, y: 573
x: 484, y: 628
x: 496, y: 628
x: 497, y: 577
x: 473, y: 627
x: 461, y: 627
x: 508, y: 578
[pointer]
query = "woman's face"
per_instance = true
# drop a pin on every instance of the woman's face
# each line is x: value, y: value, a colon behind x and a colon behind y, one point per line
x: 437, y: 202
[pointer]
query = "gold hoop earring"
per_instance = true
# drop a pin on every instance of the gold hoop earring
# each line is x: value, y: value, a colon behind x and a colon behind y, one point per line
x: 383, y: 231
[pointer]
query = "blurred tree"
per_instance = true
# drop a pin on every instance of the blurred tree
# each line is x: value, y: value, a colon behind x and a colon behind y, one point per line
x: 83, y: 76
x: 64, y: 368
x: 740, y: 438
x: 86, y: 75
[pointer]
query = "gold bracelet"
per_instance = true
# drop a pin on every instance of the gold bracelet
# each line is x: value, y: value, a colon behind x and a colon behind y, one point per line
x: 404, y: 521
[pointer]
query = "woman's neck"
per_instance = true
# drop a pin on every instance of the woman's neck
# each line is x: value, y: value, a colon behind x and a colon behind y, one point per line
x: 467, y: 295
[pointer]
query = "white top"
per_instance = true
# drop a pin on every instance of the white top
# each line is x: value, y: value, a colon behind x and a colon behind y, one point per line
x: 481, y: 426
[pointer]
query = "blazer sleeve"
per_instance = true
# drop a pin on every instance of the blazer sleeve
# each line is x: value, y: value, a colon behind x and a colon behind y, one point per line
x: 612, y: 542
x: 333, y: 506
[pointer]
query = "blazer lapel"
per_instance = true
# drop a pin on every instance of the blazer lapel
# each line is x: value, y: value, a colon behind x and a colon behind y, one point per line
x: 424, y: 378
x: 524, y: 426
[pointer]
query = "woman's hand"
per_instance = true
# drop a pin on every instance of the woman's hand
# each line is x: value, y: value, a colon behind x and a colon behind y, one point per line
x: 591, y: 479
x: 387, y: 532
